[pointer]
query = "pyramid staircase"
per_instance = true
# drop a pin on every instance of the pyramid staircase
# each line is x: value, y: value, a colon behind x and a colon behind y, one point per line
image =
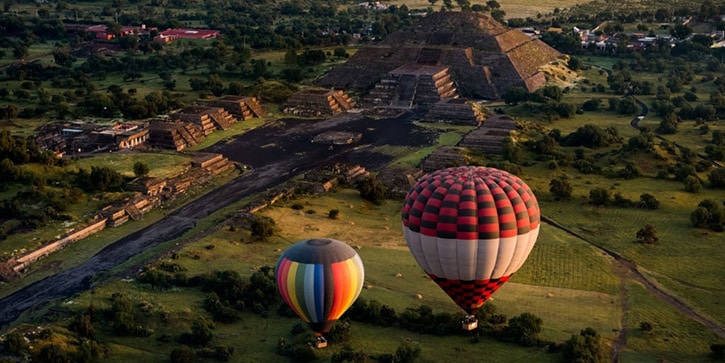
x: 413, y: 85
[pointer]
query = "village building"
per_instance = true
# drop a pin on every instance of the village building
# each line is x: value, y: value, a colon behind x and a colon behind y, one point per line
x: 174, y: 34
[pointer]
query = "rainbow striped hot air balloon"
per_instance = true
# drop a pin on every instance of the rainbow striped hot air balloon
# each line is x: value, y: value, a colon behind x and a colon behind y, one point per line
x: 319, y: 279
x: 470, y: 228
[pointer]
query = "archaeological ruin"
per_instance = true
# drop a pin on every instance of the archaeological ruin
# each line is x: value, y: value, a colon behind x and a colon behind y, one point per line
x: 484, y: 57
x: 318, y: 102
x: 455, y: 111
x: 241, y: 107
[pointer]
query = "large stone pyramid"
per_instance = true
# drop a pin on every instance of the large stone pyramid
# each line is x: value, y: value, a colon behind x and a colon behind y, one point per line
x: 485, y: 57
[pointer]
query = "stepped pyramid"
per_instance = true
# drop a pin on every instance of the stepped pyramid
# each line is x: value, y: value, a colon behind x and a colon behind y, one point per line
x: 209, y: 119
x: 318, y: 102
x: 413, y: 84
x: 174, y: 135
x: 485, y: 58
x: 241, y: 107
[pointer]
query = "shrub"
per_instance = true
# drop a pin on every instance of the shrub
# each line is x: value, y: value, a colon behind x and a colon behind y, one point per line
x: 717, y: 178
x: 648, y: 201
x: 371, y: 191
x: 560, y: 187
x: 333, y: 214
x: 599, y: 196
x: 263, y: 227
x: 647, y: 235
x: 585, y: 347
x: 182, y: 354
x: 297, y: 206
x: 692, y: 184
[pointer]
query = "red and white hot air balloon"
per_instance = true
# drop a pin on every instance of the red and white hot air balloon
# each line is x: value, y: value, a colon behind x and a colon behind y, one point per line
x: 470, y: 228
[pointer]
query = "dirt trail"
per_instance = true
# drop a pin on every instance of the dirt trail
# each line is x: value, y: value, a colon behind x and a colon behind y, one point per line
x: 627, y: 270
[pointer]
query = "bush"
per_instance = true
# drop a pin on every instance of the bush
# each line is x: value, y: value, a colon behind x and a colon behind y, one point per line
x: 648, y: 201
x: 333, y: 214
x: 182, y: 354
x: 560, y: 187
x: 15, y: 343
x: 297, y: 206
x: 263, y: 227
x: 371, y: 191
x: 692, y: 184
x: 585, y: 347
x: 717, y: 178
x: 599, y: 196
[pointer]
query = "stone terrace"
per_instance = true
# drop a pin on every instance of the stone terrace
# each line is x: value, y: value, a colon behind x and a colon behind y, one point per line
x: 489, y: 137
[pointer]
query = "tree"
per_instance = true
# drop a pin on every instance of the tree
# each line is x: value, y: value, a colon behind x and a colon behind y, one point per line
x: 717, y: 178
x: 11, y: 112
x: 592, y: 104
x: 140, y: 169
x: 183, y: 354
x: 599, y: 196
x: 560, y: 187
x: 647, y: 235
x: 372, y: 191
x: 524, y: 329
x: 511, y: 151
x: 262, y: 228
x: 514, y: 95
x: 692, y: 184
x: 709, y: 213
x: 648, y: 201
x: 15, y: 343
x: 586, y: 347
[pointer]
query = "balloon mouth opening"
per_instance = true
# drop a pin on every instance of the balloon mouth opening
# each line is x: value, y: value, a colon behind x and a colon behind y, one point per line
x: 319, y: 242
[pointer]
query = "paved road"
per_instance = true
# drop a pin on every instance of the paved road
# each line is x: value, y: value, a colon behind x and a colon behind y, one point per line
x: 276, y: 152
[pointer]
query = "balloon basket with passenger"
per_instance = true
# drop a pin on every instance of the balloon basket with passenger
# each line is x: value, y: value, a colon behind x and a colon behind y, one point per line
x: 320, y: 341
x: 469, y: 323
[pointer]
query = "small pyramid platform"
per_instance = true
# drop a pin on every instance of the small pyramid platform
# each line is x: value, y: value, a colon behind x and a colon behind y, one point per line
x: 489, y: 137
x: 209, y: 119
x: 456, y: 111
x: 318, y: 102
x: 241, y: 107
x: 177, y: 135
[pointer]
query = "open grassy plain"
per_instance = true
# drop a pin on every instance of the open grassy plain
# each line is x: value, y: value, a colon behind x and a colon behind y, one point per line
x: 567, y: 282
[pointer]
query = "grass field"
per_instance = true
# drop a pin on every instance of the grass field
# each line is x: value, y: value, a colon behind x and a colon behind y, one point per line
x: 567, y: 282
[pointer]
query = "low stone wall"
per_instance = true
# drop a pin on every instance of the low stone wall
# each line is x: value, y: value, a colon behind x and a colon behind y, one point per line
x: 21, y: 262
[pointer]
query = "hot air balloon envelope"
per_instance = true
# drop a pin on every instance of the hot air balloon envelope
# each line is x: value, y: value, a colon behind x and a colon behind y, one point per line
x: 319, y: 279
x: 470, y: 228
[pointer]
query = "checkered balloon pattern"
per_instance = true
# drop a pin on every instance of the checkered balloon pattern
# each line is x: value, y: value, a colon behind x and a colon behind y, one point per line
x: 470, y: 228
